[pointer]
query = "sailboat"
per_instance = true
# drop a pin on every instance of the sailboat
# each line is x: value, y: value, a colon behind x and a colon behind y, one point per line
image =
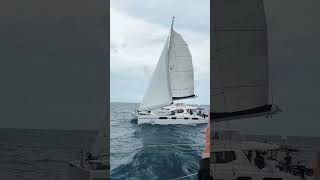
x: 93, y: 164
x: 172, y: 79
x: 241, y: 89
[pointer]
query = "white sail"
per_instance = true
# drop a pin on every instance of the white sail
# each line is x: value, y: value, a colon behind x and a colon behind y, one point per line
x: 99, y: 147
x: 180, y: 67
x: 173, y: 77
x: 240, y: 59
x: 158, y: 93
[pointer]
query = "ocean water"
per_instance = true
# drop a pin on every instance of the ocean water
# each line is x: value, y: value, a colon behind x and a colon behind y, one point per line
x: 137, y: 152
x: 39, y: 154
x: 152, y: 151
x: 141, y: 152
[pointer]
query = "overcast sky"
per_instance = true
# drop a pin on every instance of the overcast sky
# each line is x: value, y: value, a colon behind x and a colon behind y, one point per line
x: 138, y: 32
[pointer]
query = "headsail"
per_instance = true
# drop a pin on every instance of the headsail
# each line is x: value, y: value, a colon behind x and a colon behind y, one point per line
x: 240, y: 60
x: 180, y: 67
x: 158, y: 93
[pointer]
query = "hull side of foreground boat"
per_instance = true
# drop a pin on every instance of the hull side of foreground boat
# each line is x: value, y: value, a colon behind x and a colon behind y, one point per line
x: 254, y: 175
x: 171, y: 121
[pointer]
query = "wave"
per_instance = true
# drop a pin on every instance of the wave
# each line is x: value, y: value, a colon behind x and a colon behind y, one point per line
x: 158, y: 163
x: 154, y: 151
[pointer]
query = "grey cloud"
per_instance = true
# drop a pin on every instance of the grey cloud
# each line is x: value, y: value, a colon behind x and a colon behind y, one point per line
x: 193, y: 14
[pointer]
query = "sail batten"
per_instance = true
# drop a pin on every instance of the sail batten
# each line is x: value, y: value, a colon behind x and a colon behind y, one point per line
x: 240, y: 85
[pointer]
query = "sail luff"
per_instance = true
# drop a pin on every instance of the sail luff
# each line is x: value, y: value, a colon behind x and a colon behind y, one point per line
x: 168, y: 59
x: 170, y: 39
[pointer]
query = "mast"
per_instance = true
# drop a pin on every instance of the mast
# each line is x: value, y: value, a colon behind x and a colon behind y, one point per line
x: 171, y: 29
x: 168, y: 64
x: 172, y: 23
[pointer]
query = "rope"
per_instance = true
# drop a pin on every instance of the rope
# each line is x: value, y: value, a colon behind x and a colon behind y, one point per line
x: 185, y: 176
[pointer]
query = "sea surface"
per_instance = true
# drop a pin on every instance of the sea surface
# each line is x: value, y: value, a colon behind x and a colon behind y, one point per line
x: 27, y: 154
x: 137, y: 152
x: 165, y: 152
x: 152, y: 151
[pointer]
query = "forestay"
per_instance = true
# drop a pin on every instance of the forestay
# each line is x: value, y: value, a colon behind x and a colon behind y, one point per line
x: 240, y: 60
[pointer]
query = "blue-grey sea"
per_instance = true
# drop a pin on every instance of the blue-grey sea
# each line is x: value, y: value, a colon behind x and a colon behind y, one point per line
x: 148, y: 151
x: 137, y: 152
x: 152, y: 151
x: 27, y: 154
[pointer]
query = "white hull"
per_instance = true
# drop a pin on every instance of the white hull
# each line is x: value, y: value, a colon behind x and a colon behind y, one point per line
x: 175, y: 114
x: 147, y: 119
x: 75, y: 172
x: 230, y: 159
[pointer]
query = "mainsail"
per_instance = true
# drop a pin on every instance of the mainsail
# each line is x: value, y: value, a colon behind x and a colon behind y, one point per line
x: 173, y: 76
x: 240, y: 60
x: 180, y: 67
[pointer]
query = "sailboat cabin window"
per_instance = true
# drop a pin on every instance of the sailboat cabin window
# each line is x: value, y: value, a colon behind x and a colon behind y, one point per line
x: 223, y: 157
x: 179, y: 110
